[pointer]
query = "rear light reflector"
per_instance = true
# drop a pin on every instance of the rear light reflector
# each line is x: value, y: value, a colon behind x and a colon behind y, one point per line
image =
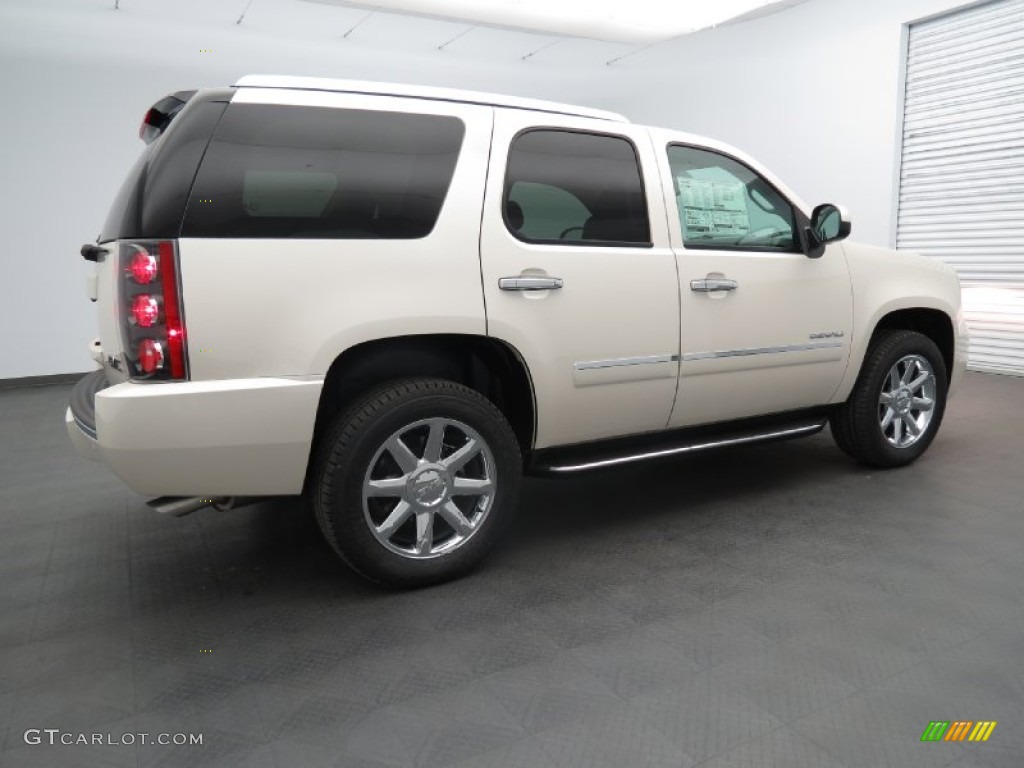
x: 143, y: 267
x: 145, y: 310
x: 172, y: 310
x: 151, y: 355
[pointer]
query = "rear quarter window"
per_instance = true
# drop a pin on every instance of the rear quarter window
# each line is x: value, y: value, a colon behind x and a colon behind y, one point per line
x: 313, y: 172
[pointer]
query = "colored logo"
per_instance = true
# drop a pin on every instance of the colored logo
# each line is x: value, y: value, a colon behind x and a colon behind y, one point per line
x: 958, y: 730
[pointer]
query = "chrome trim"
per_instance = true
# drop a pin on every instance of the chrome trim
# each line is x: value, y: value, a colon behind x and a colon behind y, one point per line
x: 710, y: 284
x: 692, y: 356
x: 401, y: 512
x: 806, y: 430
x: 529, y: 283
x: 590, y: 365
x: 85, y: 428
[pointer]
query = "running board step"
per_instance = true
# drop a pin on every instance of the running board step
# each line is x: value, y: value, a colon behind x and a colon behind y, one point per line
x: 611, y: 453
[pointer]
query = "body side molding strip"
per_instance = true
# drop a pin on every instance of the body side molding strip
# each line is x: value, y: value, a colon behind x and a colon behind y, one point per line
x: 693, y: 356
x: 590, y: 365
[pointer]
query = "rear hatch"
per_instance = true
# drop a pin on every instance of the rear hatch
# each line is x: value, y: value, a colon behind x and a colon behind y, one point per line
x: 147, y: 213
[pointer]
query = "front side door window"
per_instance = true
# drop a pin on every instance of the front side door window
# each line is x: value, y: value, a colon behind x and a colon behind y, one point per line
x: 723, y: 204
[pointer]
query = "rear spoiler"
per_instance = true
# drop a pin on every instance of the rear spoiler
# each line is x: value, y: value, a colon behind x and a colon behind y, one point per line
x: 160, y: 115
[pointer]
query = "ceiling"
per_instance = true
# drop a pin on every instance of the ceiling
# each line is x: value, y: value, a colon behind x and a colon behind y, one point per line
x: 560, y: 43
x: 565, y: 43
x: 636, y: 22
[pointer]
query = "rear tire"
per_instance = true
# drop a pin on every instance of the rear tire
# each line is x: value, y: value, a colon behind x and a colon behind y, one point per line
x: 416, y: 482
x: 897, y: 404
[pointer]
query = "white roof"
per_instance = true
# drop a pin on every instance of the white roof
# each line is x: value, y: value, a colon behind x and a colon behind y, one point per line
x: 421, y: 92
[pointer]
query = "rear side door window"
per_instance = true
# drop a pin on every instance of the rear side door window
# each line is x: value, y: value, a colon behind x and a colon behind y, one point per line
x: 312, y: 172
x: 571, y: 188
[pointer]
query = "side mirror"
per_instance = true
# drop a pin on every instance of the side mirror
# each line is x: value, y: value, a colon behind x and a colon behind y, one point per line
x: 829, y: 224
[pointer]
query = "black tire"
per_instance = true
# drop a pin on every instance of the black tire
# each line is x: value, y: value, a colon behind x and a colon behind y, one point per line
x: 856, y: 424
x: 356, y: 439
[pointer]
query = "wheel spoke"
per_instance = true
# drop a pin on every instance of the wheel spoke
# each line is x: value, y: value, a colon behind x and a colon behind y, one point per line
x: 466, y: 486
x: 389, y: 487
x: 919, y: 382
x: 908, y: 372
x: 435, y: 441
x: 897, y: 431
x: 454, y: 517
x: 894, y: 379
x: 424, y: 532
x: 887, y: 419
x: 911, y: 424
x: 922, y: 404
x: 885, y: 398
x: 400, y: 452
x: 395, y: 520
x: 461, y: 457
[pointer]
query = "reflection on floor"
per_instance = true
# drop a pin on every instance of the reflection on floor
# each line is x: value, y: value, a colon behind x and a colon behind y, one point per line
x: 765, y: 606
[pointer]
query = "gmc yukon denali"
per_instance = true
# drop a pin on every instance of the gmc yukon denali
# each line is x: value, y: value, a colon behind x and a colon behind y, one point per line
x: 396, y: 300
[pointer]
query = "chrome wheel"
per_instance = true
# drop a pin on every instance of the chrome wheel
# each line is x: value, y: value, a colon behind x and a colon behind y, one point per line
x: 429, y: 488
x: 907, y: 401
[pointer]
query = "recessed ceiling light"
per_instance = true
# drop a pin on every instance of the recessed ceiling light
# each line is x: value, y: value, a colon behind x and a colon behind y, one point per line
x: 621, y: 21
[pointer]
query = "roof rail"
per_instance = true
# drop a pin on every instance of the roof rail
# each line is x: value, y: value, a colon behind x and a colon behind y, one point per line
x: 422, y: 92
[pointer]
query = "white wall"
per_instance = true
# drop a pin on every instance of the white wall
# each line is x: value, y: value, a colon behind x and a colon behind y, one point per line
x: 76, y: 78
x: 811, y: 92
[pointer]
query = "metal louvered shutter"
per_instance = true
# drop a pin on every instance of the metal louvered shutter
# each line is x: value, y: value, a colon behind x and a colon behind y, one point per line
x: 962, y: 169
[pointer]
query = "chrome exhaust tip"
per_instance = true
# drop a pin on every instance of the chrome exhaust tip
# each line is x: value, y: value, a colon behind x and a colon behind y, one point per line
x: 179, y: 506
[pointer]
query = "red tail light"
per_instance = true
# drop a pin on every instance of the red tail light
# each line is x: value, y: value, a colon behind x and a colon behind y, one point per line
x: 143, y: 267
x: 151, y: 355
x: 152, y: 322
x: 172, y: 310
x: 145, y: 310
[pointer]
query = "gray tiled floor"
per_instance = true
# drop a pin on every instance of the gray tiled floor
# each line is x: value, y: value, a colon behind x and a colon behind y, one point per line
x: 773, y: 606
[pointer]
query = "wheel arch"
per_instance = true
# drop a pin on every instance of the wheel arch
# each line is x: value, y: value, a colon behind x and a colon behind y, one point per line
x: 930, y: 322
x: 931, y: 317
x: 488, y: 365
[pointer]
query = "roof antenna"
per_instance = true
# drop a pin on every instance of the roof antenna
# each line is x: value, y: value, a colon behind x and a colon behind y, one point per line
x: 244, y: 12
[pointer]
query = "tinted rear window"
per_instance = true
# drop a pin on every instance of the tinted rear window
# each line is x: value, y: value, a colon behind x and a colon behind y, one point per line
x: 311, y: 172
x: 568, y: 187
x: 151, y: 202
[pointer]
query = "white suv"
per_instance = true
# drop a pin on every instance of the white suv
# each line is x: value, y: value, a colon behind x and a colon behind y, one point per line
x: 398, y: 299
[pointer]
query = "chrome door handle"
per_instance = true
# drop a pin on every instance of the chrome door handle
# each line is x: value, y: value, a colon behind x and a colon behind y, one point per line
x: 528, y: 283
x: 708, y: 284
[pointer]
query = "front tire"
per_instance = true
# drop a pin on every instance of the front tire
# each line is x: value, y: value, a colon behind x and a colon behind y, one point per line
x: 897, y: 404
x: 416, y: 482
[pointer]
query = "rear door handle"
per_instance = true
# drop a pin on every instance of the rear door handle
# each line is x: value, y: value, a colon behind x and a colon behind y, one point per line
x: 529, y: 283
x: 708, y: 284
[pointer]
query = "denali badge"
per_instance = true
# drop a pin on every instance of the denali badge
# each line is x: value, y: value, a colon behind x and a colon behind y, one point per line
x: 828, y: 335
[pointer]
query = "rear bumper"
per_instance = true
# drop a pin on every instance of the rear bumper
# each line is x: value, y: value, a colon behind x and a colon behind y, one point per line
x: 236, y: 437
